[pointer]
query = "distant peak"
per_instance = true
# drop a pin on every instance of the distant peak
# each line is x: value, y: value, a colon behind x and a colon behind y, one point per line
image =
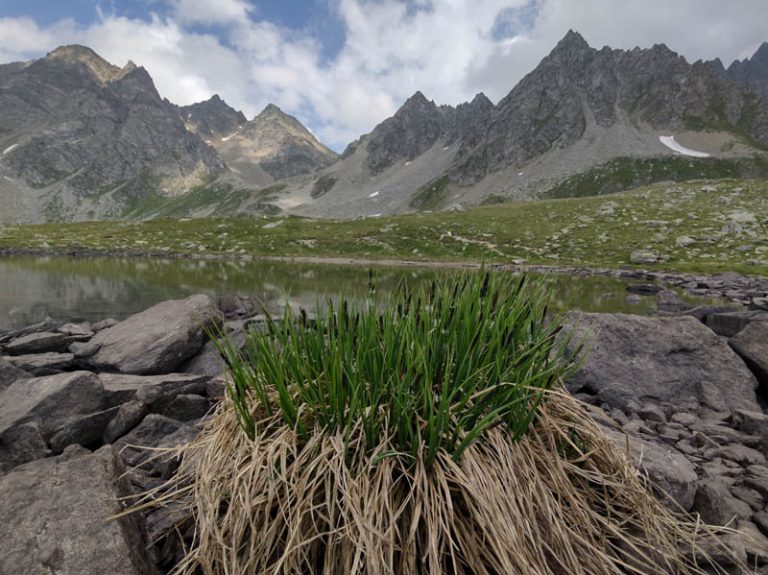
x: 102, y: 70
x: 271, y: 110
x: 481, y: 99
x: 572, y: 41
x: 761, y: 53
x: 417, y: 98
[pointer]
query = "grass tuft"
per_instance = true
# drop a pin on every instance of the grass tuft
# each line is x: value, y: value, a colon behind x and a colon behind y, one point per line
x: 428, y: 370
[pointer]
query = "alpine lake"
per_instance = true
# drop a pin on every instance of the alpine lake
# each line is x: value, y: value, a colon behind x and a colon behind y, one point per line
x: 92, y: 289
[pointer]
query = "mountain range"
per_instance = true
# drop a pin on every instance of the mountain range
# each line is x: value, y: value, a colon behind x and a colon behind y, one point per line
x: 83, y: 139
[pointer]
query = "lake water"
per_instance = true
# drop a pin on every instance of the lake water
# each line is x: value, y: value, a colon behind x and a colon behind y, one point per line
x: 98, y: 288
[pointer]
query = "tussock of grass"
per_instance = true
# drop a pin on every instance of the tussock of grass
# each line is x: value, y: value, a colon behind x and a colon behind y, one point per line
x: 424, y: 436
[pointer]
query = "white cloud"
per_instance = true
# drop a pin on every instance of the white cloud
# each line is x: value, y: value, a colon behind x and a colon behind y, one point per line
x: 449, y: 49
x: 208, y: 12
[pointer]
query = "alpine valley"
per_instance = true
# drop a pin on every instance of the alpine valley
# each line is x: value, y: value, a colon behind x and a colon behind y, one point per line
x: 82, y: 139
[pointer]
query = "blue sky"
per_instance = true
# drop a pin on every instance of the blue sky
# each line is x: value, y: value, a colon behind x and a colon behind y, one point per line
x: 342, y: 66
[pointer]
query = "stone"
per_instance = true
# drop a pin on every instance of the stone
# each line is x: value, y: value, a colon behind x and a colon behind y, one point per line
x: 755, y: 543
x: 650, y: 412
x: 751, y: 344
x: 684, y: 418
x: 716, y: 505
x: 759, y: 484
x: 51, y: 400
x: 668, y: 470
x: 55, y: 515
x: 41, y: 342
x: 75, y: 329
x: 668, y: 300
x: 128, y: 416
x: 156, y: 341
x: 103, y: 324
x: 672, y: 361
x: 10, y: 373
x: 645, y: 256
x: 751, y: 497
x: 40, y: 364
x: 208, y: 362
x: 186, y: 407
x: 761, y: 521
x: 149, y: 433
x: 216, y: 389
x: 729, y: 323
x: 754, y: 423
x: 741, y: 454
x: 703, y: 312
x: 22, y: 444
x: 120, y: 388
x: 85, y: 430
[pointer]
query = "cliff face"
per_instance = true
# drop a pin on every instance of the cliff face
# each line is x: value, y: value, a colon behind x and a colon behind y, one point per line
x: 752, y: 73
x: 73, y: 122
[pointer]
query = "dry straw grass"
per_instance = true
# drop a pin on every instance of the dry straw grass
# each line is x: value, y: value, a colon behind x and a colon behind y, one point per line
x: 561, y: 500
x: 421, y: 436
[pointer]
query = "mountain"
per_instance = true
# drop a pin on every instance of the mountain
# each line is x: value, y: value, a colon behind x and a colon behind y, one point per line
x: 81, y: 138
x: 752, y: 73
x: 624, y: 117
x: 272, y: 146
x: 213, y: 118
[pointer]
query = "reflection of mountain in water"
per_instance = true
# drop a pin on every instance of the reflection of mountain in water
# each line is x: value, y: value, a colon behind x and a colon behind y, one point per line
x: 63, y: 288
x: 94, y: 289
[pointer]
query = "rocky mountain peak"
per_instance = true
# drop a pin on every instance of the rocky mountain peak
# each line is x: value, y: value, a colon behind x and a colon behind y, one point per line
x: 752, y: 73
x: 103, y: 71
x: 572, y: 43
x: 213, y: 118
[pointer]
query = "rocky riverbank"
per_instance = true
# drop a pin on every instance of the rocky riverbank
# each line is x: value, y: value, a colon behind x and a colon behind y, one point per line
x: 687, y: 389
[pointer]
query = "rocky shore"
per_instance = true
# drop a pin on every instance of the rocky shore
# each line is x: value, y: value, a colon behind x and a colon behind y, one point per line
x: 84, y: 407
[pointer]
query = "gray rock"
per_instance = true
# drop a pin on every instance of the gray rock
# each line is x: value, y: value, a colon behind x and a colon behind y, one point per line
x: 668, y: 470
x: 751, y: 344
x: 751, y: 497
x: 761, y: 521
x: 741, y: 454
x: 120, y: 388
x: 208, y: 362
x: 9, y: 373
x: 155, y: 341
x: 669, y: 360
x: 730, y: 323
x: 39, y: 364
x: 216, y: 389
x: 716, y: 505
x: 186, y: 407
x: 149, y: 433
x: 85, y: 430
x: 55, y: 515
x: 22, y: 444
x: 645, y: 257
x: 650, y: 412
x: 129, y: 415
x: 755, y: 543
x: 39, y: 343
x: 75, y: 329
x: 103, y: 324
x: 52, y: 400
x: 668, y: 300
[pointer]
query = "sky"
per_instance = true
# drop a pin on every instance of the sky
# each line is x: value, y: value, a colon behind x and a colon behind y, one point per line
x: 343, y: 66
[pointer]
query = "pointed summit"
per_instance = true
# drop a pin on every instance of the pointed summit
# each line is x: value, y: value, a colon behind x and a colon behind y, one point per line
x: 103, y: 71
x: 572, y: 41
x: 271, y: 110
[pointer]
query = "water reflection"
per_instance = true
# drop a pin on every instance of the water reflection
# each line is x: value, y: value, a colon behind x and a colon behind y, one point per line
x: 93, y: 289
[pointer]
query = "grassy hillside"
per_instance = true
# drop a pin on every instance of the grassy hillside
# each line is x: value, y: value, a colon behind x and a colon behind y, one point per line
x: 695, y: 226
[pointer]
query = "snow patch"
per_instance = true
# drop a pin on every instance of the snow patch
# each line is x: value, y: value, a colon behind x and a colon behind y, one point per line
x: 10, y: 149
x: 225, y: 138
x: 373, y: 195
x: 669, y: 142
x: 375, y: 216
x: 447, y: 148
x: 407, y: 163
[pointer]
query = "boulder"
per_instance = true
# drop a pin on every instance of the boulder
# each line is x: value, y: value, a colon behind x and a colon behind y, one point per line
x: 22, y: 444
x: 156, y: 341
x: 50, y: 402
x: 41, y: 342
x: 664, y: 360
x: 120, y: 388
x: 645, y: 256
x: 149, y: 433
x: 84, y: 430
x: 716, y: 505
x: 751, y: 344
x: 40, y: 364
x: 754, y: 423
x: 129, y: 415
x: 10, y: 373
x: 208, y: 362
x: 730, y: 323
x: 55, y: 515
x: 186, y: 407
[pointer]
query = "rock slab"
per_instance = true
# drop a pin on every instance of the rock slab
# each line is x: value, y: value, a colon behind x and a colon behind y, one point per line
x: 55, y: 519
x: 156, y: 341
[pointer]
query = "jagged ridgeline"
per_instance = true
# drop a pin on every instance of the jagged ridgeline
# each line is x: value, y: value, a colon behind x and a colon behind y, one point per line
x: 83, y: 139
